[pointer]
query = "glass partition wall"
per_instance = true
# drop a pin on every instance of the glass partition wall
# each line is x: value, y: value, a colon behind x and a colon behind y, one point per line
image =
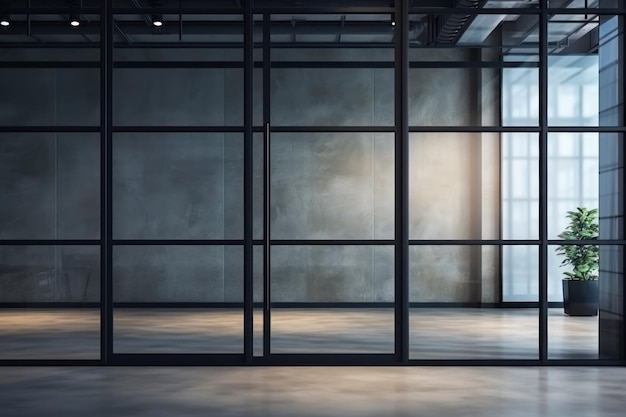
x: 355, y: 182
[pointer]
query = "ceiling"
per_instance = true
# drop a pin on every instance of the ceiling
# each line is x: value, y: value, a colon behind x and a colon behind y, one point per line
x: 352, y: 23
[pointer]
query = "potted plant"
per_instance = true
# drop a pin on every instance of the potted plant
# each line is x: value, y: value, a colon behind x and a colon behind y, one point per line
x: 580, y: 287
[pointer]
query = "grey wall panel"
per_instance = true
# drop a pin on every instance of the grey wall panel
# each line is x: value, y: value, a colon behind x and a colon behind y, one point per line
x: 444, y: 274
x: 177, y: 96
x: 330, y: 97
x: 233, y: 274
x: 233, y: 97
x: 332, y: 273
x: 49, y: 97
x: 29, y: 98
x: 443, y: 97
x: 233, y: 186
x: 257, y: 185
x: 257, y: 272
x: 78, y: 188
x: 178, y: 54
x: 333, y: 54
x: 168, y: 273
x: 170, y: 186
x: 383, y: 163
x: 78, y: 97
x: 383, y: 97
x: 27, y: 167
x: 49, y: 273
x: 257, y: 97
x: 49, y: 186
x: 25, y: 272
x: 383, y: 282
x: 323, y: 186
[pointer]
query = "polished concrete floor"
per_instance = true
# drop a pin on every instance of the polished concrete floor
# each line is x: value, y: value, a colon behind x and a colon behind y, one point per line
x: 435, y: 333
x: 313, y: 391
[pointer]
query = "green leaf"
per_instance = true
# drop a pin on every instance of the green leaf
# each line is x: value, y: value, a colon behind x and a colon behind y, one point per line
x: 584, y: 259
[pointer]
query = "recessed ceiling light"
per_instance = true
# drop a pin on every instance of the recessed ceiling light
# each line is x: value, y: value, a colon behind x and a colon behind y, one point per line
x: 157, y: 20
x: 5, y: 20
x: 75, y: 20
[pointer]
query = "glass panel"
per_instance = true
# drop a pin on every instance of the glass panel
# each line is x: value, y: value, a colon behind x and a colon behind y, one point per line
x: 48, y: 54
x: 336, y: 54
x: 573, y: 70
x: 49, y: 97
x: 131, y: 53
x: 332, y: 96
x: 177, y: 186
x: 177, y: 96
x: 573, y: 177
x: 49, y: 186
x: 258, y: 202
x: 454, y: 292
x: 441, y: 97
x: 611, y: 64
x: 50, y: 274
x: 459, y: 62
x: 258, y: 293
x: 520, y: 273
x: 588, y: 327
x: 454, y: 189
x: 332, y: 299
x: 520, y: 186
x: 157, y: 290
x: 611, y: 188
x: 520, y: 96
x: 332, y: 186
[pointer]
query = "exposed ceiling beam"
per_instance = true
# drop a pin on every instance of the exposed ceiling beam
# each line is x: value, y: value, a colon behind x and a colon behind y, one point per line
x: 214, y: 28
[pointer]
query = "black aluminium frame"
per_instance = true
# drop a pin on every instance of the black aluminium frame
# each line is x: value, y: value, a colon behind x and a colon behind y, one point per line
x: 400, y: 242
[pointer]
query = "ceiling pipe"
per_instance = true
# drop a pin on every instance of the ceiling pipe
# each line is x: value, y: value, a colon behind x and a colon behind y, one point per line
x: 451, y: 27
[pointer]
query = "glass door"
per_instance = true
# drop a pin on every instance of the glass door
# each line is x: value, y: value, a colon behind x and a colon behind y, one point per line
x: 327, y: 138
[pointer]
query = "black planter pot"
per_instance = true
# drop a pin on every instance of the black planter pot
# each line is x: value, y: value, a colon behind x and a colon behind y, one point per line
x: 580, y: 298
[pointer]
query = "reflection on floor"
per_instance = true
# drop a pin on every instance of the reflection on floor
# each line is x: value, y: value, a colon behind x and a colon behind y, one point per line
x: 435, y: 333
x: 312, y: 391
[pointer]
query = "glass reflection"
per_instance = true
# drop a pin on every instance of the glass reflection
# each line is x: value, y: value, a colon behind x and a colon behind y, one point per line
x: 178, y: 299
x: 455, y: 311
x: 332, y: 299
x: 38, y: 281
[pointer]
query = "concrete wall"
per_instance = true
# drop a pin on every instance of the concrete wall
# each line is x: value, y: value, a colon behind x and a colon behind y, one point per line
x: 49, y: 184
x: 49, y: 97
x: 323, y: 185
x: 49, y: 273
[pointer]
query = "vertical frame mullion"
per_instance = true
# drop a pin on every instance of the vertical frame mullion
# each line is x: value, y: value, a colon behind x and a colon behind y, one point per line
x: 106, y: 162
x: 248, y: 259
x: 543, y: 182
x: 266, y: 187
x: 401, y: 259
x: 621, y: 21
